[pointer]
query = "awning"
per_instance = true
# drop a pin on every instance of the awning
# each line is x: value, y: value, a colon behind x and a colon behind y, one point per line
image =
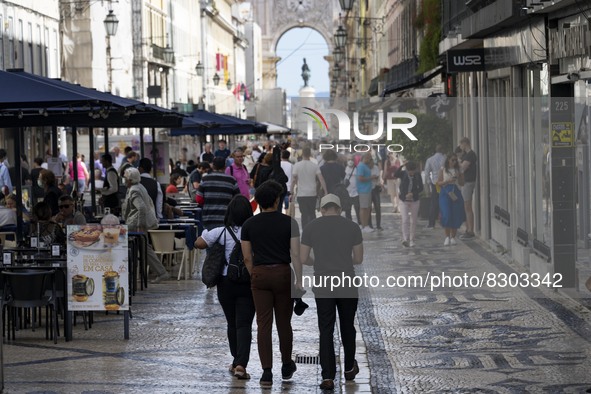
x: 273, y: 128
x: 208, y: 123
x: 28, y: 100
x: 419, y: 80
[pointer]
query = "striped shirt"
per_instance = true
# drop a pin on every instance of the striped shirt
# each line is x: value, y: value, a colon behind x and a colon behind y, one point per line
x: 217, y: 189
x: 432, y: 167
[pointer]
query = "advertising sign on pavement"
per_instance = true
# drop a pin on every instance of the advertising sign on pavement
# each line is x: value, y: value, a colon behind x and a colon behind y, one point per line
x: 97, y: 267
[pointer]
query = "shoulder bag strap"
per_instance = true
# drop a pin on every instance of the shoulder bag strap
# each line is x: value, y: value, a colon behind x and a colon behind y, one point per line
x: 233, y: 235
x: 352, y: 171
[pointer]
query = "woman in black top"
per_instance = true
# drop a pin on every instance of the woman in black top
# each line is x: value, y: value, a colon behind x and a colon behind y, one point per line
x: 332, y: 171
x: 411, y: 185
x: 52, y: 192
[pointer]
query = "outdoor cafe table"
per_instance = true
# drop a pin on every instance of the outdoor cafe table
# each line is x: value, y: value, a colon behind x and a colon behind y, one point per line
x: 44, y: 261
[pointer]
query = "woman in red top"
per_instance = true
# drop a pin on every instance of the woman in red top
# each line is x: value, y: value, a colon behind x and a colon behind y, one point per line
x: 174, y: 182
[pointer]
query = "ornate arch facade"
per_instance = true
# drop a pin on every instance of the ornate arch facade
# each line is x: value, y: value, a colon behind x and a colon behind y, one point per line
x: 276, y: 17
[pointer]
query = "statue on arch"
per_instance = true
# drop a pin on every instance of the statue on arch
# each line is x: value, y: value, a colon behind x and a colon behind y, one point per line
x: 305, y: 73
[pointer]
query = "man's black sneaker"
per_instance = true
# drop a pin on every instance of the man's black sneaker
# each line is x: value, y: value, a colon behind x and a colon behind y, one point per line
x: 288, y: 369
x: 267, y: 378
x: 350, y: 375
x: 327, y: 384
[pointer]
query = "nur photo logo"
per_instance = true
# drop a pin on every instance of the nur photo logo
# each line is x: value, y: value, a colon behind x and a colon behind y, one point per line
x: 391, y: 124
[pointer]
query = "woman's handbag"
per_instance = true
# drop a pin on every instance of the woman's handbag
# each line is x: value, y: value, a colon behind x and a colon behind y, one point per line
x: 215, y: 261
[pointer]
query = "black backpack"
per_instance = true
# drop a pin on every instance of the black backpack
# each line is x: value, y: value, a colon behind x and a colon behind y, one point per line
x: 237, y: 271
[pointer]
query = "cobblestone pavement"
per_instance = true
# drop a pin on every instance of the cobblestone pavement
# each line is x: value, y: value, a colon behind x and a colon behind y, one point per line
x: 412, y: 341
x: 486, y: 340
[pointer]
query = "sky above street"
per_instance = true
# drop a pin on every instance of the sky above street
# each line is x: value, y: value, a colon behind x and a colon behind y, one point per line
x: 292, y: 48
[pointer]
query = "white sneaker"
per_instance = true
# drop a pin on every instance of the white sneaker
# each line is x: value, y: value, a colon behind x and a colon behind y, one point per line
x: 367, y: 230
x: 412, y: 243
x: 452, y: 241
x: 446, y: 242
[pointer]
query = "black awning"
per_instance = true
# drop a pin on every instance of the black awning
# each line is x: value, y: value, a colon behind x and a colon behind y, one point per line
x: 419, y: 80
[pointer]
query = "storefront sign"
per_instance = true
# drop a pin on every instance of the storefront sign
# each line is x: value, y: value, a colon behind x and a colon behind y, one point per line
x: 463, y: 60
x: 98, y: 268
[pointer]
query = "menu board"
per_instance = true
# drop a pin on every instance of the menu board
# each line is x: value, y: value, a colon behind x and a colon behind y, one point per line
x: 98, y: 267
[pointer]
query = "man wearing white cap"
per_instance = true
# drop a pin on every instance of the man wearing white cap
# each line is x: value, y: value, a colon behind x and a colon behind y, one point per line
x: 338, y: 245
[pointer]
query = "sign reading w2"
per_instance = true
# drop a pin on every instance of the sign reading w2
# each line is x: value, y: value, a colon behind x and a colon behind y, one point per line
x: 344, y: 124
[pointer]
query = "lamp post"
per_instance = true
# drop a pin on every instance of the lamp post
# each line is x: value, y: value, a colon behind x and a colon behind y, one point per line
x: 111, y: 23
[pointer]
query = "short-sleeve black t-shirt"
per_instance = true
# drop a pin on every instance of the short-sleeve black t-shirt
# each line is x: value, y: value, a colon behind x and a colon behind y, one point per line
x: 470, y: 173
x: 333, y: 174
x: 332, y: 238
x: 270, y: 234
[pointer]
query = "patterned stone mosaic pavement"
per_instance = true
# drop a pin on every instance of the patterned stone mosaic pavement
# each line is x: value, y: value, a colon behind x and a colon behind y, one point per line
x: 487, y: 340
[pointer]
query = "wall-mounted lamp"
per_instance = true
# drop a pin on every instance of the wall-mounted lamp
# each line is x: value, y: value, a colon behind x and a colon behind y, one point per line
x: 216, y: 79
x: 229, y: 84
x: 199, y: 69
x: 168, y: 54
x: 111, y: 23
x: 340, y: 37
x: 336, y: 71
x: 346, y: 5
x: 338, y: 54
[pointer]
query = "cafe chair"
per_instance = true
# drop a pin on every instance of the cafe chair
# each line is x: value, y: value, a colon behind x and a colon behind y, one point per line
x: 164, y: 245
x: 27, y: 289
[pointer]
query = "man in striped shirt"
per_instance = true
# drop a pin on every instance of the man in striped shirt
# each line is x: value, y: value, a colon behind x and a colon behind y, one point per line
x: 214, y: 194
x: 432, y: 166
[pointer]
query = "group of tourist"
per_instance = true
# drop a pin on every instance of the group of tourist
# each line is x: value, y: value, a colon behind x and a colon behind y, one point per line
x: 270, y: 246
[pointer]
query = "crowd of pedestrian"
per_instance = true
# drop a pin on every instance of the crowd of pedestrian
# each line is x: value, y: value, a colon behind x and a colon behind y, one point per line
x: 243, y: 195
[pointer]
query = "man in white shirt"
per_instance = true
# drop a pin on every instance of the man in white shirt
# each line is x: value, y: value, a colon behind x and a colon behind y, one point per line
x: 119, y: 157
x: 303, y: 183
x: 4, y: 175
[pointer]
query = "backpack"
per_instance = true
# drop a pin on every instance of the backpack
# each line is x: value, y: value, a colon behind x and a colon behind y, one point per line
x: 237, y: 271
x: 340, y: 190
x: 215, y: 260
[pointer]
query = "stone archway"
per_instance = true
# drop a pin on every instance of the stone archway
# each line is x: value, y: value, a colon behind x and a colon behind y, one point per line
x: 276, y: 17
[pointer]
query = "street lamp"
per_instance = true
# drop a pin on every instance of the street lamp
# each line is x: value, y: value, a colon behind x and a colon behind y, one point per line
x: 111, y: 23
x: 199, y: 69
x: 229, y: 84
x: 168, y: 54
x: 338, y: 54
x: 340, y: 37
x: 336, y: 71
x: 346, y: 5
x: 216, y: 79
